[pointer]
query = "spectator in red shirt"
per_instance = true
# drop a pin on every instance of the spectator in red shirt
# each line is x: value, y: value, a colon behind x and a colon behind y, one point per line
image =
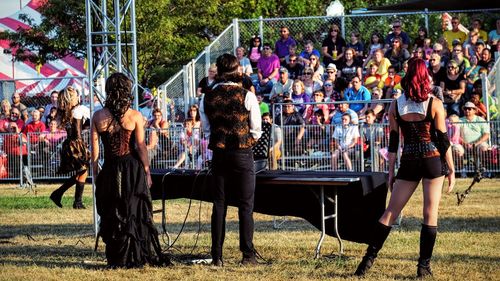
x: 13, y: 117
x: 35, y: 127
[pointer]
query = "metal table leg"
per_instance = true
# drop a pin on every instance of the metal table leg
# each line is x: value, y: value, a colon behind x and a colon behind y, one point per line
x: 324, y: 218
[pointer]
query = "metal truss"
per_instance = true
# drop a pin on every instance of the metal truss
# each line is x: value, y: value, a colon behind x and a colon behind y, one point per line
x: 111, y: 45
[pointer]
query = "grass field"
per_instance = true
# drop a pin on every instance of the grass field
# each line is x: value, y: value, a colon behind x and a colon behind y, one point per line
x: 39, y: 241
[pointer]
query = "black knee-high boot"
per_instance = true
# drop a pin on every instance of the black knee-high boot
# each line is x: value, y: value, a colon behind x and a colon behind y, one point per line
x: 56, y: 195
x: 78, y: 204
x: 380, y: 234
x: 427, y: 239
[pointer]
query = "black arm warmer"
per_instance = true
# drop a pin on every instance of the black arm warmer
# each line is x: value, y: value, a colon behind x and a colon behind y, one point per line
x: 393, y: 141
x: 442, y: 142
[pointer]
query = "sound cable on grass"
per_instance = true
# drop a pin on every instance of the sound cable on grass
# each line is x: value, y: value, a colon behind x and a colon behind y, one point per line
x: 171, y: 246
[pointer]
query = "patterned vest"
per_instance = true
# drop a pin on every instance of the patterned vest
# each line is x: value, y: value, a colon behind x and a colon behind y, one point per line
x: 229, y: 119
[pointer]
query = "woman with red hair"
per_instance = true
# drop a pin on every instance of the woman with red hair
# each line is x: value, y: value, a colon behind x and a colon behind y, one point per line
x: 425, y: 157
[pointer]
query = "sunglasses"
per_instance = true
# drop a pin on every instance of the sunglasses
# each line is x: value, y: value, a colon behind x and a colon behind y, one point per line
x: 307, y: 73
x: 396, y: 26
x: 432, y: 60
x: 14, y: 113
x: 330, y: 72
x: 451, y: 67
x: 293, y: 60
x: 334, y: 31
x: 328, y: 85
x: 468, y: 108
x: 266, y: 48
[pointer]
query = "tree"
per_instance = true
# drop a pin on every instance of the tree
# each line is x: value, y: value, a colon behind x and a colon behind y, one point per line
x: 169, y: 32
x: 61, y: 33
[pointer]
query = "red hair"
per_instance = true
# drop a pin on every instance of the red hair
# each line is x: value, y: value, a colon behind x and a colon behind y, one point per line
x: 416, y: 83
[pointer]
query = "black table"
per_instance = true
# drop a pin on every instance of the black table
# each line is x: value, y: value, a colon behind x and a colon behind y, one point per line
x: 355, y: 201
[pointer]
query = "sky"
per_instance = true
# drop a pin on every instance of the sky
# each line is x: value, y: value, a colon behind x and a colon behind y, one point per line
x: 9, y: 7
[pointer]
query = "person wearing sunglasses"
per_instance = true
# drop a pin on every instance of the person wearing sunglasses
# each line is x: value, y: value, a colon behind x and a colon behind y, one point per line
x: 457, y: 54
x: 295, y: 68
x: 333, y: 46
x: 255, y: 50
x: 397, y: 54
x: 397, y: 31
x: 455, y: 33
x: 268, y: 70
x: 357, y: 92
x: 453, y: 87
x: 437, y: 71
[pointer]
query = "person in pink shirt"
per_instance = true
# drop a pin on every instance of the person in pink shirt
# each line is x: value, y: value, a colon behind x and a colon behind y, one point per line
x: 268, y: 69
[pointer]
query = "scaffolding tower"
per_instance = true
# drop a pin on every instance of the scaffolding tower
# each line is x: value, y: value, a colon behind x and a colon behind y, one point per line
x: 111, y: 45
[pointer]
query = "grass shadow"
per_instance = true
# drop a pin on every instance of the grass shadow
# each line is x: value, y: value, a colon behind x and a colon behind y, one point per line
x: 456, y: 224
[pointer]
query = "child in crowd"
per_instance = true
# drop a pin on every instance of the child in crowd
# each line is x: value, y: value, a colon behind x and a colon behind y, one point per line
x: 372, y: 79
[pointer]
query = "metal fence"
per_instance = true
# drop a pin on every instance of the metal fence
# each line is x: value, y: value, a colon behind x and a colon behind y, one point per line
x: 181, y: 88
x: 37, y: 154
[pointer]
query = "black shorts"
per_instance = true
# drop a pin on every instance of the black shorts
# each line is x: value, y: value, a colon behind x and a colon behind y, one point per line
x: 415, y: 170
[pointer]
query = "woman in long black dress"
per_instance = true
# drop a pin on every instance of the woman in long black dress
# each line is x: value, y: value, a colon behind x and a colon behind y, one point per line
x: 74, y: 151
x: 122, y: 194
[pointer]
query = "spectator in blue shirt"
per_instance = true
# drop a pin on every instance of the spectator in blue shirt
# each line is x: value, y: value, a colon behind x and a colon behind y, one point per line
x: 308, y: 51
x: 281, y: 48
x: 355, y: 93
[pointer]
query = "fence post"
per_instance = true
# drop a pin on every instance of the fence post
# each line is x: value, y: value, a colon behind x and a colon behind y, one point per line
x: 426, y: 18
x: 261, y: 29
x: 185, y: 84
x: 342, y: 25
x: 207, y: 59
x: 236, y: 34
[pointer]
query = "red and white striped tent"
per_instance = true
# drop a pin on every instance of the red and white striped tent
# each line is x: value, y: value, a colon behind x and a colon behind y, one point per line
x: 9, y: 70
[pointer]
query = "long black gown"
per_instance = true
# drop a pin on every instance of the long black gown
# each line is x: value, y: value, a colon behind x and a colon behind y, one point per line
x: 124, y: 204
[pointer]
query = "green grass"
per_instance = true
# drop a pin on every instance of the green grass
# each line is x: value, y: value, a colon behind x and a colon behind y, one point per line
x: 39, y: 241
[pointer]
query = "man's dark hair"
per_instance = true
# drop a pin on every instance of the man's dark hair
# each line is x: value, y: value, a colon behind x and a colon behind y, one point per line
x: 266, y: 114
x: 369, y: 111
x: 227, y: 68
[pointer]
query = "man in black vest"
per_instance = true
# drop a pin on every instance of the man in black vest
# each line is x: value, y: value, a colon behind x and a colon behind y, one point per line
x: 231, y: 121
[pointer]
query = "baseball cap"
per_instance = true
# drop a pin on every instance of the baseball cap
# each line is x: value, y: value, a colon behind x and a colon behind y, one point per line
x: 331, y: 66
x: 469, y: 105
x: 283, y: 70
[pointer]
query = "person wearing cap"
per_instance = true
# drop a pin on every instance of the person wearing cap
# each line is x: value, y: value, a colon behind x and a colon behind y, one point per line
x: 454, y: 33
x: 283, y: 88
x: 293, y: 127
x: 331, y: 72
x: 232, y: 123
x: 268, y: 67
x: 474, y: 130
x: 453, y: 87
x: 281, y: 48
x: 397, y: 31
x: 294, y: 67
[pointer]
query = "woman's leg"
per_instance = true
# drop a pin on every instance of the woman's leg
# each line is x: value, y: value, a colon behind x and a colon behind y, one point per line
x: 432, y: 196
x: 81, y: 177
x: 401, y: 193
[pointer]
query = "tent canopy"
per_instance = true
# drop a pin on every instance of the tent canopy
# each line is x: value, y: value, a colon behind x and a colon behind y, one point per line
x: 442, y: 5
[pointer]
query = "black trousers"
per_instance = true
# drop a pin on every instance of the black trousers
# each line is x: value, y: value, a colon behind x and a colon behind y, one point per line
x: 233, y: 181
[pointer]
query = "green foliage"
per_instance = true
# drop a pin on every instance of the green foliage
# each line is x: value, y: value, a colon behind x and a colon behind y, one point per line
x: 169, y: 33
x: 61, y: 33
